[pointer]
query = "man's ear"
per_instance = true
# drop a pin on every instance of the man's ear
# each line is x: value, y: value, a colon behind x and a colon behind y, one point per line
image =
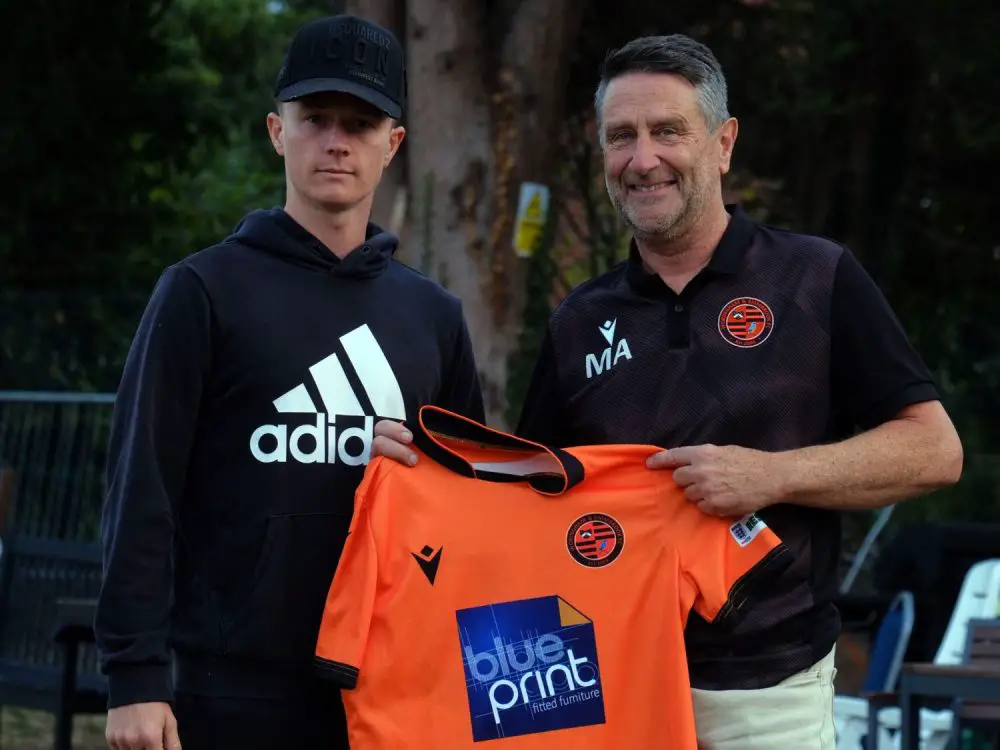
x: 396, y: 136
x: 727, y: 142
x: 276, y: 132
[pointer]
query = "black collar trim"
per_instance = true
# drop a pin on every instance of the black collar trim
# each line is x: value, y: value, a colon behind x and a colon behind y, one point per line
x: 439, y: 434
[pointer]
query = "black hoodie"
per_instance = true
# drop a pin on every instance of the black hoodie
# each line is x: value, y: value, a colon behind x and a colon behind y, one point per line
x: 241, y: 430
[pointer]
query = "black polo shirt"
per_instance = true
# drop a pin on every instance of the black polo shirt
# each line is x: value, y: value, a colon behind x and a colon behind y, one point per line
x: 782, y: 341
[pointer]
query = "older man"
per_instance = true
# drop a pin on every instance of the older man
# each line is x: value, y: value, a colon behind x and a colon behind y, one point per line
x: 766, y: 362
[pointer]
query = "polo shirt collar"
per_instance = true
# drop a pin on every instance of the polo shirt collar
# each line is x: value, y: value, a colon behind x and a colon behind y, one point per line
x: 726, y: 260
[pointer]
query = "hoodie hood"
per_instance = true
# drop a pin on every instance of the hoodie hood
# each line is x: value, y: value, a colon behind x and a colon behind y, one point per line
x: 274, y: 231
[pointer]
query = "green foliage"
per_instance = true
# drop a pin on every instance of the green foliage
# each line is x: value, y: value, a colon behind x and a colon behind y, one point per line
x: 148, y: 144
x: 89, y: 129
x: 232, y: 50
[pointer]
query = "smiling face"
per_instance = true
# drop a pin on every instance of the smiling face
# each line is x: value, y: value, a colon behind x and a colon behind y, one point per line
x: 662, y: 165
x: 335, y: 147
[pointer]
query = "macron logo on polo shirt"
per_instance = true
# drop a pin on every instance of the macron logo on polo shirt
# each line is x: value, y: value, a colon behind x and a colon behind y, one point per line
x: 321, y: 441
x: 598, y: 363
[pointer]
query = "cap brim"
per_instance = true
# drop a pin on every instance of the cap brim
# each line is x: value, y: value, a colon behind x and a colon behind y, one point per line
x: 323, y: 85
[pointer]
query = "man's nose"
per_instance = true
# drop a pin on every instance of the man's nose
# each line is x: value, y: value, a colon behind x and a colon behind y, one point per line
x: 336, y: 138
x: 644, y: 159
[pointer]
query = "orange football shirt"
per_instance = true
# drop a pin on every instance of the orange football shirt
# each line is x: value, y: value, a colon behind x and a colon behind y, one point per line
x: 502, y: 590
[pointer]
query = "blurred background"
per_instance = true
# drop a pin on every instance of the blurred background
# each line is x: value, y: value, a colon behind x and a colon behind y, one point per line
x: 135, y: 135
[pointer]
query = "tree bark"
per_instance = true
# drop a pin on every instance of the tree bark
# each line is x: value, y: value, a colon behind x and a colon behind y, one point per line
x: 487, y: 83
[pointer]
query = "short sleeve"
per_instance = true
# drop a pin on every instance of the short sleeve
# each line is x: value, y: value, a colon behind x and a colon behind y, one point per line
x: 876, y: 372
x: 344, y: 627
x: 727, y: 560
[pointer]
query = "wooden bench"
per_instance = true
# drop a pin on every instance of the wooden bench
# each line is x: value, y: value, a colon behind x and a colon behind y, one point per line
x: 983, y: 652
x: 972, y: 688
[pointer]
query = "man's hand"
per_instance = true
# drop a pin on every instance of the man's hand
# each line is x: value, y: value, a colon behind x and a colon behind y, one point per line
x: 391, y: 440
x: 727, y: 481
x: 142, y: 726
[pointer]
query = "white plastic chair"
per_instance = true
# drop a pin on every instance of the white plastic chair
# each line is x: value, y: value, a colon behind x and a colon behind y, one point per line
x: 978, y: 597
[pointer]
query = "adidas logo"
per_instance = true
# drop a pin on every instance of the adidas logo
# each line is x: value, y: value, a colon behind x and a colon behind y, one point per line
x: 322, y: 441
x: 598, y: 364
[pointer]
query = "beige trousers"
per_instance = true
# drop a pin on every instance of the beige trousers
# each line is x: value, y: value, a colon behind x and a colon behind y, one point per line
x: 796, y: 714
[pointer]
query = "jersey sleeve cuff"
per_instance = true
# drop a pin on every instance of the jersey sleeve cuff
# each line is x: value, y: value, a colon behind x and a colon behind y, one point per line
x: 342, y: 674
x: 745, y: 591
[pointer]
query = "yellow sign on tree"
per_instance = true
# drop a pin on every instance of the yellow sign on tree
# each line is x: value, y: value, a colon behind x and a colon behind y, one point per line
x: 532, y: 212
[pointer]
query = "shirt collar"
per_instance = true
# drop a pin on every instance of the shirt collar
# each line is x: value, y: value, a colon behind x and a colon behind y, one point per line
x: 726, y: 260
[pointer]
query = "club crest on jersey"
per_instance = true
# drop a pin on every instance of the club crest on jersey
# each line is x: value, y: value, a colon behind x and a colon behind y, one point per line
x: 530, y: 666
x: 595, y: 540
x: 746, y: 322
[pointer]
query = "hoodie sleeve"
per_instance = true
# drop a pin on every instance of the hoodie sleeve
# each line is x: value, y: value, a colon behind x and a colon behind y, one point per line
x: 155, y: 415
x: 461, y: 391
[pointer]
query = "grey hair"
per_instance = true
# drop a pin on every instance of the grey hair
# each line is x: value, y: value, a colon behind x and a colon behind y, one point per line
x: 677, y: 54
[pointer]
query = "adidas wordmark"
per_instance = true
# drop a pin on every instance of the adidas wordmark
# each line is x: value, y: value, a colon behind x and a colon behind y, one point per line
x: 325, y: 443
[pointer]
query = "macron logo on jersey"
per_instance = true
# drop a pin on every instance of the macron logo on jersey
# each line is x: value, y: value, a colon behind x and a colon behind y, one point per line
x: 321, y: 441
x: 596, y: 364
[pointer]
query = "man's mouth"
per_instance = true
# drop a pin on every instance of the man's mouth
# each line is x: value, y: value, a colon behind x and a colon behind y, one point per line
x: 653, y: 186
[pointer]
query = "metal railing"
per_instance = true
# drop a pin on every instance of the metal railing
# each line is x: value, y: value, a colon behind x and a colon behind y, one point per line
x: 54, y: 447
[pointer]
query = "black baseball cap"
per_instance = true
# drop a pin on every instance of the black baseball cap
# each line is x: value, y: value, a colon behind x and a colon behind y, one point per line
x: 347, y: 54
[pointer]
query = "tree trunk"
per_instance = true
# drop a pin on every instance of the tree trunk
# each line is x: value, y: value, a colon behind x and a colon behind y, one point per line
x: 486, y: 85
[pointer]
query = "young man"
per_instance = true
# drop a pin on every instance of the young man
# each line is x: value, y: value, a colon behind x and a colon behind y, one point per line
x: 244, y: 421
x: 767, y: 361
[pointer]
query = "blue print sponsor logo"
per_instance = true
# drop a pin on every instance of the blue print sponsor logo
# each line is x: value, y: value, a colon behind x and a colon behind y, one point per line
x: 530, y: 666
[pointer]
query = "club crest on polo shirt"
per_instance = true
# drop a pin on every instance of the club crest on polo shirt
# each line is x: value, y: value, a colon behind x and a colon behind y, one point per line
x: 746, y: 322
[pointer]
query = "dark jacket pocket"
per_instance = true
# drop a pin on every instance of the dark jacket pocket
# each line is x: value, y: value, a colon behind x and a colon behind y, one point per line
x: 280, y: 619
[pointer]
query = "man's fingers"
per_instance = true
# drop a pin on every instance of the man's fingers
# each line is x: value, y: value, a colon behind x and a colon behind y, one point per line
x: 671, y: 459
x: 684, y: 475
x: 392, y: 430
x: 391, y: 440
x: 708, y: 508
x: 661, y: 460
x: 694, y: 492
x: 383, y: 445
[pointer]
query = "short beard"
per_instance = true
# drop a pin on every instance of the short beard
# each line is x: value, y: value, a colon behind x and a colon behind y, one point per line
x: 667, y: 228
